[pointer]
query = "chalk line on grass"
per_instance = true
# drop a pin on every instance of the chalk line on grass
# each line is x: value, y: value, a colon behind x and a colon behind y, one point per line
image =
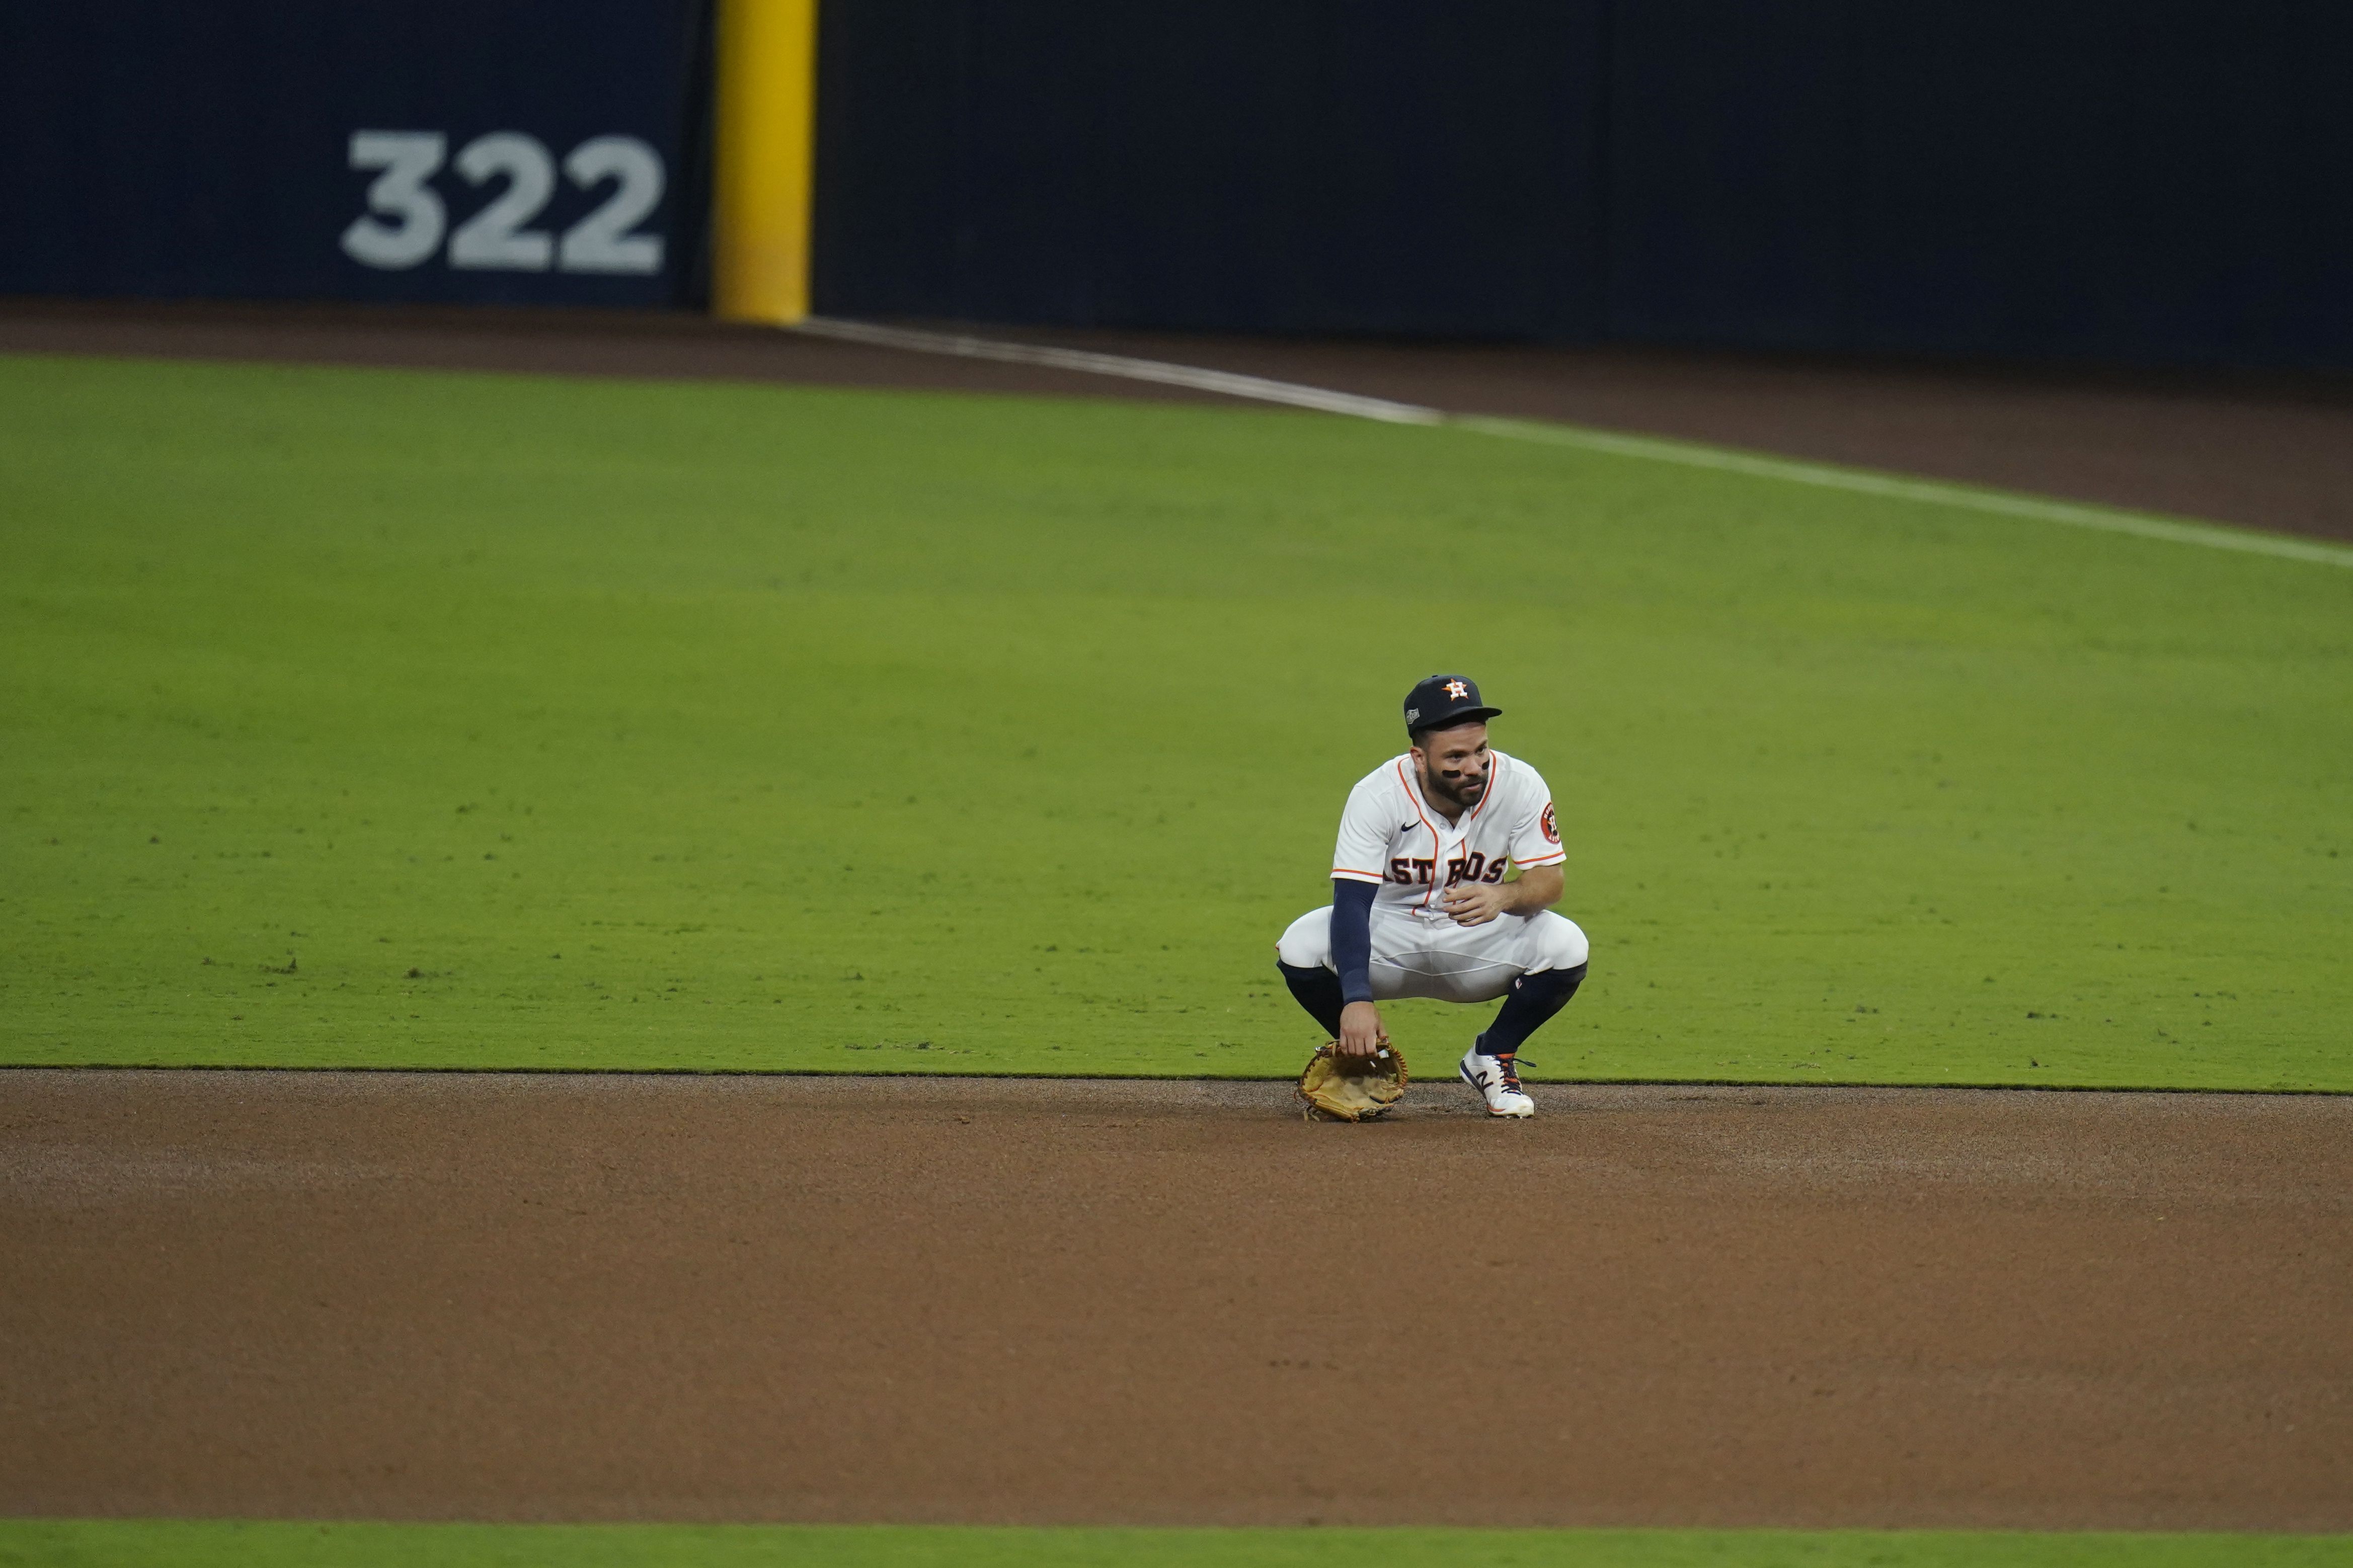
x: 1862, y: 482
x: 1690, y: 455
x: 1231, y: 383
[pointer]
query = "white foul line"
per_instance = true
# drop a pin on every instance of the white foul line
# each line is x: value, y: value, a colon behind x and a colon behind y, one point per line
x: 1862, y: 482
x: 1858, y: 481
x: 1231, y: 383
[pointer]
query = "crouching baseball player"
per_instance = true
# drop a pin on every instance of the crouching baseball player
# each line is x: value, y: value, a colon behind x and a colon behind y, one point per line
x: 1419, y: 907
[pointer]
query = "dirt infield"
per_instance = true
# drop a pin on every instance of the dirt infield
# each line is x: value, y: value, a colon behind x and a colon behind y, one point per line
x: 2266, y: 452
x: 497, y: 1296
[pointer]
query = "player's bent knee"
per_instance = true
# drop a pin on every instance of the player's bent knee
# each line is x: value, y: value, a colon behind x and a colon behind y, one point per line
x: 1560, y: 943
x: 1308, y: 943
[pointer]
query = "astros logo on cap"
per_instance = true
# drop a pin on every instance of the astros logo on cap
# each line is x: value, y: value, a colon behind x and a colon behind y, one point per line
x: 1456, y: 690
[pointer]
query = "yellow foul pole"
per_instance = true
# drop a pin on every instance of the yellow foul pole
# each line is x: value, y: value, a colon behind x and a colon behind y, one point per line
x: 765, y: 133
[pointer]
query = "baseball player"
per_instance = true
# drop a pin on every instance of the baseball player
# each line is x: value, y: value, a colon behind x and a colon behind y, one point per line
x: 1419, y: 907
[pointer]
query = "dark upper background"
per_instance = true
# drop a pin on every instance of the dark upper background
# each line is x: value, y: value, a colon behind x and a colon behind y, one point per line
x: 159, y: 148
x: 2165, y: 181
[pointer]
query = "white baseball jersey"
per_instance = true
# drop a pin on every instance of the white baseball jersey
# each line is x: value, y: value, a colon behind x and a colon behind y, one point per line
x: 1390, y: 834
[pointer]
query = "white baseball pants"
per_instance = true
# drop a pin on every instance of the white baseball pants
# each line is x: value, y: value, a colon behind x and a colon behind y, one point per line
x: 1429, y: 955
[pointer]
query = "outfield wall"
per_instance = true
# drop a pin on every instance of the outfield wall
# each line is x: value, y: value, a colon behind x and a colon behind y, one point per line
x: 2133, y: 179
x: 1378, y: 166
x: 512, y: 151
x: 2153, y: 181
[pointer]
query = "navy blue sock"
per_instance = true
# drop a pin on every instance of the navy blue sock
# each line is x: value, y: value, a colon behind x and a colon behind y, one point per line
x: 1533, y: 998
x: 1318, y: 991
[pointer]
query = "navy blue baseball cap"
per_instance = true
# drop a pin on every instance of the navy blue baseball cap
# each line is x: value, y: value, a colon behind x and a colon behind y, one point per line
x: 1442, y: 701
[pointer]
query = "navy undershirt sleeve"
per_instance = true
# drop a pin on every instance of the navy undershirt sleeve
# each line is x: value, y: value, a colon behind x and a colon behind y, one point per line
x: 1352, y: 937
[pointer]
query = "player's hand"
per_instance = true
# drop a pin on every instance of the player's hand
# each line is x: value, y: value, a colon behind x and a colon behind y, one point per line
x: 1361, y: 1035
x: 1476, y: 903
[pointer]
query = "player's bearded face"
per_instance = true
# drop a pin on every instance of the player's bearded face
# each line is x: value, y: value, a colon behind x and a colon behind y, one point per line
x: 1455, y: 765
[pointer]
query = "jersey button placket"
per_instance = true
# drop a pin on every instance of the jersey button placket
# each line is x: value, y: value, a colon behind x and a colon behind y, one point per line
x: 1447, y: 848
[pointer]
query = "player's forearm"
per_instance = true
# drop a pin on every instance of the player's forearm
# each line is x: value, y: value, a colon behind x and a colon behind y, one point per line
x: 1537, y: 889
x: 1352, y: 938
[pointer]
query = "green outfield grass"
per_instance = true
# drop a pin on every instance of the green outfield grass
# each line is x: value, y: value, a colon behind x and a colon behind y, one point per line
x: 386, y: 719
x: 138, y: 1544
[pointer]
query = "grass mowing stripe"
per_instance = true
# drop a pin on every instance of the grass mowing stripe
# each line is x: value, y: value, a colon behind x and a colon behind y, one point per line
x: 367, y: 718
x: 215, y: 1545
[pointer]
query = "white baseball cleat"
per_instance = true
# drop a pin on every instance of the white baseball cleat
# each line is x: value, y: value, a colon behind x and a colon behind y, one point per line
x: 1497, y: 1079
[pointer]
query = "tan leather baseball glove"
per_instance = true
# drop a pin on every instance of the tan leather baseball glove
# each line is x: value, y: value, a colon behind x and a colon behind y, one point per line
x: 1353, y: 1089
